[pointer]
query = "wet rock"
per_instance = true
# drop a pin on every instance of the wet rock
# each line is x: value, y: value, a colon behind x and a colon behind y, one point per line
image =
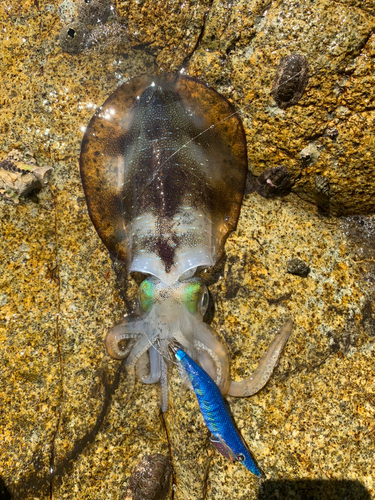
x: 360, y: 234
x: 93, y: 12
x: 237, y: 53
x: 171, y: 34
x: 66, y: 11
x: 108, y: 36
x: 73, y: 37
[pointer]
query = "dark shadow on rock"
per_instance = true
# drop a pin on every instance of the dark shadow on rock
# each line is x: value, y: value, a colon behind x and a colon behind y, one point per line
x: 319, y: 489
x: 36, y: 485
x: 4, y: 493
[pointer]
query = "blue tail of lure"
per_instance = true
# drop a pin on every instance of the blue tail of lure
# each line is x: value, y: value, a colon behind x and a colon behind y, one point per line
x: 215, y: 413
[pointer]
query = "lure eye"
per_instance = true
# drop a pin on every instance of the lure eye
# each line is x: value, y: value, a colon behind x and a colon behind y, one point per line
x: 240, y: 457
x: 204, y: 301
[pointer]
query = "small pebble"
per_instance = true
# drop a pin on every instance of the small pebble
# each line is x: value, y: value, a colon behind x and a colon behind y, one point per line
x: 298, y: 268
x: 290, y: 81
x: 273, y: 182
x: 309, y: 155
x: 332, y: 133
x: 151, y: 479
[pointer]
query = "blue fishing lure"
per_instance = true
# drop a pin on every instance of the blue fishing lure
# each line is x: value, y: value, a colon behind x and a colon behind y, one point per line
x: 226, y: 438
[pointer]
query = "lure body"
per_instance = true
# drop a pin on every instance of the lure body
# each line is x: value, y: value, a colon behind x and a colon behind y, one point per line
x: 163, y: 165
x: 215, y: 412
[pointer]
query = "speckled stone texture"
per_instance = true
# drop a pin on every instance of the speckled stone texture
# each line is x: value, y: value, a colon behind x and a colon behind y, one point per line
x: 242, y: 45
x: 170, y: 29
x: 67, y: 428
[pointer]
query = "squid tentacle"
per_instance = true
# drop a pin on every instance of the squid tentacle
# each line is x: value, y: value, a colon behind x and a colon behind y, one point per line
x: 207, y: 362
x: 164, y: 385
x: 147, y: 337
x: 208, y: 342
x: 210, y: 362
x: 149, y: 366
x: 138, y: 350
x: 130, y: 328
x: 266, y: 365
x: 114, y: 348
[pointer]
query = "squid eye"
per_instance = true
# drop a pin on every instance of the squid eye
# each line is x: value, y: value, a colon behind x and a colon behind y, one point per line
x: 204, y: 301
x: 196, y: 297
x: 240, y: 457
x: 146, y: 295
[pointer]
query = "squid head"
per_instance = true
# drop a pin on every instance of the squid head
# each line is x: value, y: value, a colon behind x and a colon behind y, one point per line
x: 167, y: 313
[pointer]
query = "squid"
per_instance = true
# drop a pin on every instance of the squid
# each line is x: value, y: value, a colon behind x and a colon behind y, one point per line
x: 163, y: 164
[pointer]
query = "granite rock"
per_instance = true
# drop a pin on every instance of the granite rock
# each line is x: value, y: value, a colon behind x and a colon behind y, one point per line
x: 67, y: 426
x: 241, y: 48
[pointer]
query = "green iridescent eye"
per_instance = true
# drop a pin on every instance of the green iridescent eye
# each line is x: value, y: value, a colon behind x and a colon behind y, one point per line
x: 196, y: 297
x: 192, y: 296
x: 146, y: 295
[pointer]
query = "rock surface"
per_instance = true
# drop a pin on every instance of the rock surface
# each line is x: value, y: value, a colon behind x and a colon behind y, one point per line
x: 67, y: 429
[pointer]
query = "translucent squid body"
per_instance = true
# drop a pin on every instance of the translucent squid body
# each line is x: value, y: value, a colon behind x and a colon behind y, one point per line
x: 163, y: 165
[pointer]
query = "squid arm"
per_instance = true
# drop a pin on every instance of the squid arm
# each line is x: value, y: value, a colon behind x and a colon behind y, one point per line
x: 266, y: 365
